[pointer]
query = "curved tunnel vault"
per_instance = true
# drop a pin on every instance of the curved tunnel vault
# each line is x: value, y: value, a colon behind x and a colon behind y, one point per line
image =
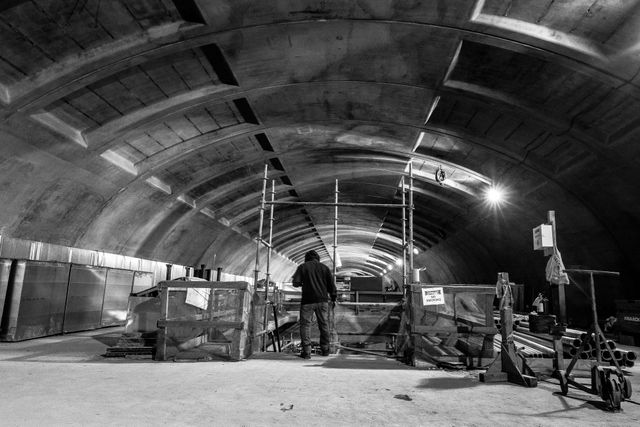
x: 142, y: 128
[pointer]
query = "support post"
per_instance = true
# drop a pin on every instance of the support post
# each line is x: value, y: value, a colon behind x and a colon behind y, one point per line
x: 404, y: 239
x: 161, y: 341
x: 505, y: 365
x: 557, y: 291
x: 594, y: 312
x: 268, y: 275
x: 332, y: 315
x: 258, y: 243
x: 411, y: 216
x: 335, y: 234
x: 559, y: 304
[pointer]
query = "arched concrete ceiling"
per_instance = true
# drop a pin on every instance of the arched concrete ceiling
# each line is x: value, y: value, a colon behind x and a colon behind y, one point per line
x: 142, y: 127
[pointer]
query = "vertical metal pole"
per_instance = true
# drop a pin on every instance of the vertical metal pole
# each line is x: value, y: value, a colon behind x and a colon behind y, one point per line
x: 268, y: 275
x: 558, y: 297
x: 404, y: 239
x: 332, y: 315
x: 558, y: 302
x: 258, y: 243
x: 161, y: 342
x: 411, y: 216
x: 335, y: 234
x: 596, y: 330
x: 266, y: 289
x: 410, y: 295
x: 261, y: 215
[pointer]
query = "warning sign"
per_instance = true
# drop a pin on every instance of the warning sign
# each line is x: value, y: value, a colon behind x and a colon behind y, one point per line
x: 432, y: 296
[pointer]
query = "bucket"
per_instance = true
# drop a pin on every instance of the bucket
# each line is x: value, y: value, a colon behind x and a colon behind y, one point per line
x: 415, y: 278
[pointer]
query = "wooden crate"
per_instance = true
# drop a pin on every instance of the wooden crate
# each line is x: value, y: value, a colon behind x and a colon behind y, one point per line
x: 456, y: 331
x: 220, y: 324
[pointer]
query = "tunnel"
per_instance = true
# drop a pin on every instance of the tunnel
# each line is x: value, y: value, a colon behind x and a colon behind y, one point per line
x: 139, y: 132
x: 166, y: 164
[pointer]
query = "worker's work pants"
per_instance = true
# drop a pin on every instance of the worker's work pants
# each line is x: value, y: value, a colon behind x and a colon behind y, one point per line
x: 321, y: 309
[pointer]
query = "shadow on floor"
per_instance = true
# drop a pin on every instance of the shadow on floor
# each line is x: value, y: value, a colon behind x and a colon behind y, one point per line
x: 448, y: 383
x: 87, y: 346
x: 363, y: 362
x: 337, y: 361
x: 567, y: 410
x: 110, y: 339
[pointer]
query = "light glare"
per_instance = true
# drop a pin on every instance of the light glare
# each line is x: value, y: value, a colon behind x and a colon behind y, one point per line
x: 495, y: 195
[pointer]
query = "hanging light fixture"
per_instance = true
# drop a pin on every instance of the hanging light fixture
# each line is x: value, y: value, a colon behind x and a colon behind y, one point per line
x: 440, y: 175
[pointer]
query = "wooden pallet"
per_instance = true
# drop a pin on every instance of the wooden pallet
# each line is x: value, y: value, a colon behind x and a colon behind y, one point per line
x: 129, y: 351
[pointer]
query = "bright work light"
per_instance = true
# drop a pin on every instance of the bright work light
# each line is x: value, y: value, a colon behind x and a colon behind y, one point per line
x: 495, y: 195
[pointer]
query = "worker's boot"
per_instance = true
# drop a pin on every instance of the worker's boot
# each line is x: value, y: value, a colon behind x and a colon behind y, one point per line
x: 306, y: 352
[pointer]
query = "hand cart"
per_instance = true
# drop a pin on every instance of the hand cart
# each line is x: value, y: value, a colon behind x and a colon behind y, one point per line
x: 608, y: 382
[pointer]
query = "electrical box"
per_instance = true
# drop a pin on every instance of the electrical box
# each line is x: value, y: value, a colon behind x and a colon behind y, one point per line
x: 542, y: 237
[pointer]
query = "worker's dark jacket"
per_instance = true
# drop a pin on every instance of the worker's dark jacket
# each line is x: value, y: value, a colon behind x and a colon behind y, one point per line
x: 317, y: 282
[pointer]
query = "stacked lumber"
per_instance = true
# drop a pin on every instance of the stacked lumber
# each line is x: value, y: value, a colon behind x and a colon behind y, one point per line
x: 129, y: 351
x: 136, y: 345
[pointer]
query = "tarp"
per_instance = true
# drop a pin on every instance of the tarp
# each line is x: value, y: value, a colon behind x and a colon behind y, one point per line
x: 555, y: 270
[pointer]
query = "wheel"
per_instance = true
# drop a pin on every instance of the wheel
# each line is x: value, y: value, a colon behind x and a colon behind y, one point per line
x: 626, y: 388
x: 613, y: 394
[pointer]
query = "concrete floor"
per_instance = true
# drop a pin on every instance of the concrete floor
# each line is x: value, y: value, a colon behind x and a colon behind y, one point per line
x: 64, y: 381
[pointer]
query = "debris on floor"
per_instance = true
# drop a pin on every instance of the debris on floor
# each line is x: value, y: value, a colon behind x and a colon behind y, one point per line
x: 403, y: 397
x: 286, y: 408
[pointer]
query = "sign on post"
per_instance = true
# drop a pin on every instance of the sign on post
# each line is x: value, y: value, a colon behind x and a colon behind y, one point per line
x: 432, y: 296
x: 542, y: 237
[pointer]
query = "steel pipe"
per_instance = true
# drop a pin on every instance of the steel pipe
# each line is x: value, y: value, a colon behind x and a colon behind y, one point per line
x: 353, y: 204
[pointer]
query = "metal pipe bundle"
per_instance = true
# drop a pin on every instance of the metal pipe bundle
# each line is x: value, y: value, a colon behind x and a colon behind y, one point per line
x: 526, y: 349
x: 542, y: 349
x: 612, y: 345
x: 533, y: 344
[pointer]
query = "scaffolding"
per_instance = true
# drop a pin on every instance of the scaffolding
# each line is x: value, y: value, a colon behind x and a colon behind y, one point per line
x: 407, y: 243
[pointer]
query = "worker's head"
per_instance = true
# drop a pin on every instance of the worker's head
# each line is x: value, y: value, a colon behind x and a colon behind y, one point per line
x: 311, y: 255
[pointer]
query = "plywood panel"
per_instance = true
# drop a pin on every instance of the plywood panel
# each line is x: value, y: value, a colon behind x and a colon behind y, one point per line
x: 37, y: 300
x: 85, y: 297
x: 116, y: 296
x: 5, y: 270
x: 142, y: 280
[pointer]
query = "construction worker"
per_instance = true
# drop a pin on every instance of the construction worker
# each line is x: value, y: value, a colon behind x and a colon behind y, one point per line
x: 318, y: 289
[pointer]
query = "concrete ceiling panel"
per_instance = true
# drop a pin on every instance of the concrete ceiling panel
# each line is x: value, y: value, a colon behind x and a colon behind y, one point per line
x: 143, y: 129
